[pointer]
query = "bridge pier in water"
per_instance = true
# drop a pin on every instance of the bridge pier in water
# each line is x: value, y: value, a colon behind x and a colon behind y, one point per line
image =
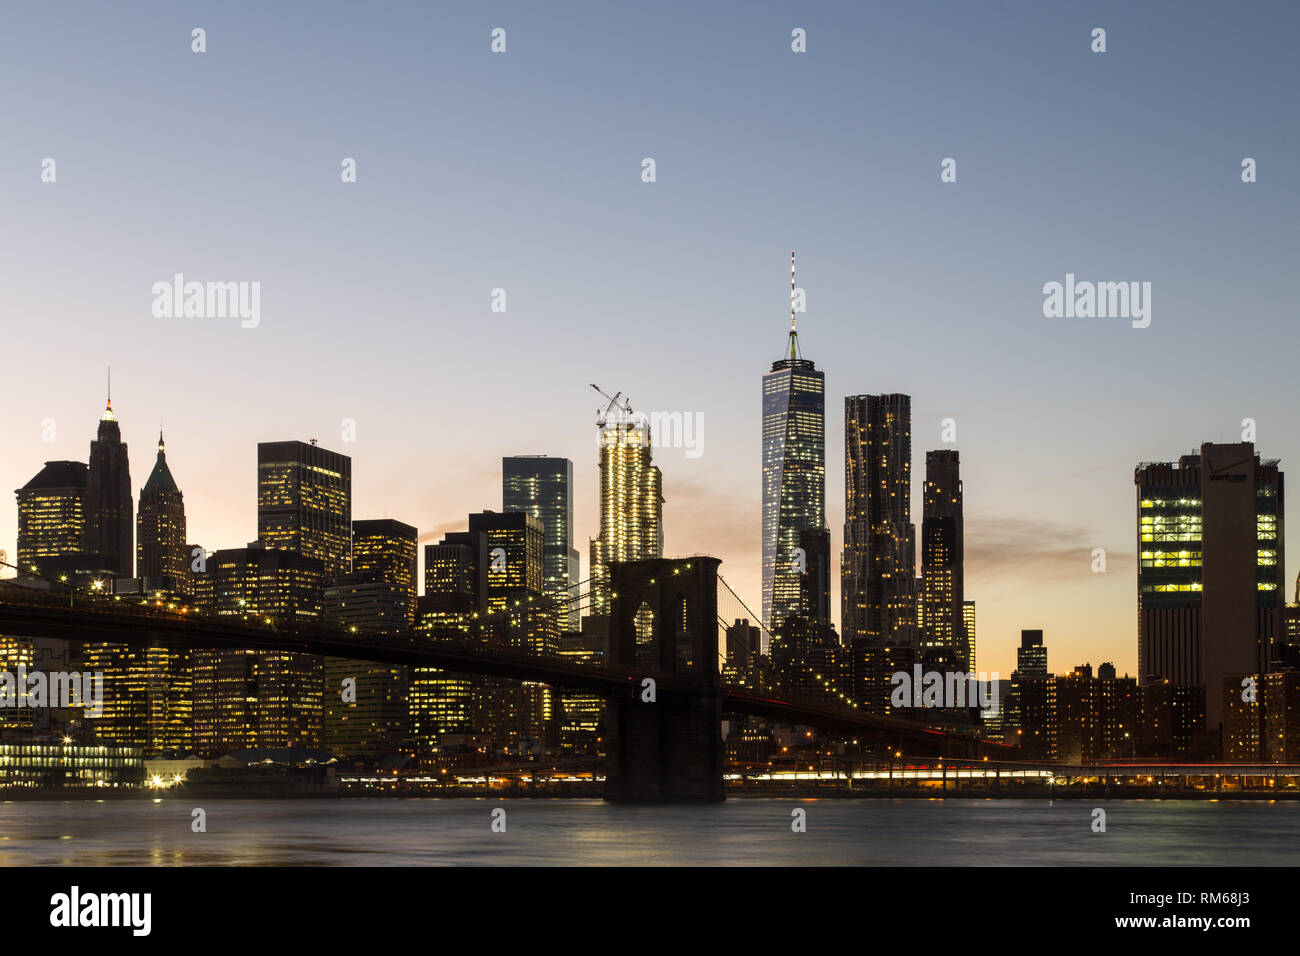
x: 664, y: 625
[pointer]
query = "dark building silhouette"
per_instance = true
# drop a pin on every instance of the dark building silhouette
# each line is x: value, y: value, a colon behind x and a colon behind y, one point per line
x: 161, y: 550
x: 1031, y: 705
x: 1096, y: 717
x: 109, y: 500
x: 878, y: 567
x: 940, y: 607
x: 815, y: 581
x: 1282, y: 720
x: 1173, y: 720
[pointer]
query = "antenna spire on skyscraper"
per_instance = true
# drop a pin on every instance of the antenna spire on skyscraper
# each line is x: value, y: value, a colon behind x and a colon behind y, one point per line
x: 791, y: 290
x: 108, y: 415
x: 794, y: 335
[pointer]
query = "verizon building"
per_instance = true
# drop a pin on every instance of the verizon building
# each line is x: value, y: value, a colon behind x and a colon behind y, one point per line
x: 1210, y: 568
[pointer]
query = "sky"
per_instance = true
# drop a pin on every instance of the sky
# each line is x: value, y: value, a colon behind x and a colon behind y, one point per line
x: 522, y: 171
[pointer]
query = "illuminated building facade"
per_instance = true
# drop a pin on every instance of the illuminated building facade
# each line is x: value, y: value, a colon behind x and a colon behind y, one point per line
x: 631, y: 503
x: 543, y: 488
x: 148, y: 696
x: 519, y: 616
x: 1210, y: 580
x: 52, y: 518
x: 582, y: 716
x: 110, y: 505
x: 940, y: 610
x: 246, y: 699
x: 161, y: 551
x: 441, y: 702
x: 1243, y: 718
x: 878, y: 566
x: 148, y: 693
x: 794, y: 470
x: 16, y: 652
x: 304, y: 502
x: 968, y: 621
x: 53, y: 763
x: 367, y: 716
x: 384, y: 549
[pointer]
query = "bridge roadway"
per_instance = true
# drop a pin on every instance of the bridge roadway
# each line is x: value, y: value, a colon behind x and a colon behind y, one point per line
x: 31, y: 613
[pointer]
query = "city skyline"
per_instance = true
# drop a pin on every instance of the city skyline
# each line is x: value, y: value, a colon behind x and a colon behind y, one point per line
x: 939, y: 297
x: 291, y: 449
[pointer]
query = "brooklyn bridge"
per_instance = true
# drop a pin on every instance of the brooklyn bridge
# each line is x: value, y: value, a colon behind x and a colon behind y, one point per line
x: 665, y: 696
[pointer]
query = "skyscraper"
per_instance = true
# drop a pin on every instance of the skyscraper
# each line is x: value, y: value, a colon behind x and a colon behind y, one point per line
x: 878, y: 566
x: 543, y: 488
x: 384, y: 549
x: 378, y: 597
x: 941, y: 616
x: 148, y: 696
x: 249, y: 698
x: 304, y: 502
x: 52, y: 519
x: 109, y: 501
x: 455, y: 593
x: 1032, y: 707
x: 161, y: 550
x: 968, y: 618
x: 631, y: 501
x: 1211, y: 587
x: 794, y: 469
x: 365, y: 702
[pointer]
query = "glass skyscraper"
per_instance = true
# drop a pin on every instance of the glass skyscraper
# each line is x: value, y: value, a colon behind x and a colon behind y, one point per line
x: 543, y: 488
x: 794, y: 471
x: 878, y: 567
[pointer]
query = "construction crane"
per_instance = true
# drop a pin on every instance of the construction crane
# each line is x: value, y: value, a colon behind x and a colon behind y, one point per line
x: 625, y: 408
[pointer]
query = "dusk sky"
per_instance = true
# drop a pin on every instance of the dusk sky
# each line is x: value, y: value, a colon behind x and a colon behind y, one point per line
x: 522, y: 171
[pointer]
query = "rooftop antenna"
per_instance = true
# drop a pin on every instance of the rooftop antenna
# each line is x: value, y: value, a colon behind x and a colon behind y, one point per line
x: 794, y: 335
x: 108, y: 415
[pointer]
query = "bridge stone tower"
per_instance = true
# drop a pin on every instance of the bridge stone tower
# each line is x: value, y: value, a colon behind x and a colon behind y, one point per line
x: 664, y: 626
